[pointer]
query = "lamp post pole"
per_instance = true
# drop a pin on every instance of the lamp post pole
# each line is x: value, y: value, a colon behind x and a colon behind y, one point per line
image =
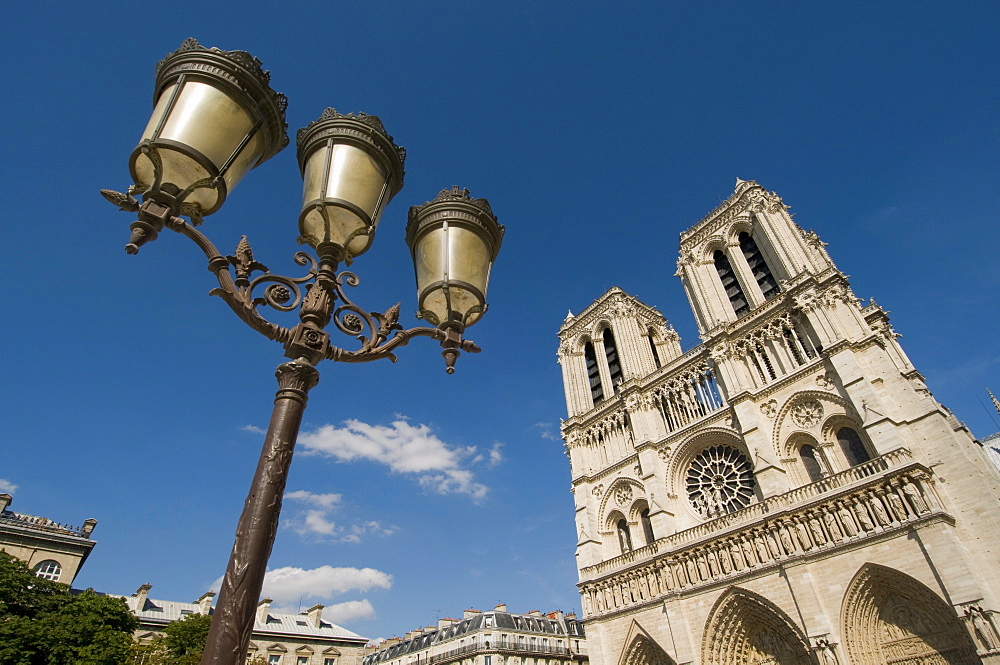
x: 215, y: 118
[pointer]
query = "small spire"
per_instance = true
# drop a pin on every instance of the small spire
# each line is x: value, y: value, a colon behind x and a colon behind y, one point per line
x: 996, y: 402
x: 569, y: 316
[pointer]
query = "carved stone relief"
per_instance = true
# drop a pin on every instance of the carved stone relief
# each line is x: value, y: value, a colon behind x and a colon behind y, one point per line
x: 807, y: 413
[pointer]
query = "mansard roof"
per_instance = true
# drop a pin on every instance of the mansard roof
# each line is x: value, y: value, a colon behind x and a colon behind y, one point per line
x: 153, y: 611
x: 567, y: 626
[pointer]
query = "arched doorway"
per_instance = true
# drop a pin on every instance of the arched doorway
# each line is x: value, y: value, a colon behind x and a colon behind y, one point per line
x: 748, y: 629
x: 889, y: 618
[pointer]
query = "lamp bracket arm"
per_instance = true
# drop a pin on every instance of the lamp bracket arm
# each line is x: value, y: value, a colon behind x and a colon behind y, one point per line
x: 236, y: 293
x: 384, y: 348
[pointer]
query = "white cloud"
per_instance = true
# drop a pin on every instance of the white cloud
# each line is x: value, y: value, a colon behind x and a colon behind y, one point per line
x: 347, y: 612
x: 315, y: 520
x: 254, y: 429
x: 546, y: 431
x: 7, y: 486
x: 495, y: 455
x: 324, y: 501
x: 404, y: 448
x: 289, y: 585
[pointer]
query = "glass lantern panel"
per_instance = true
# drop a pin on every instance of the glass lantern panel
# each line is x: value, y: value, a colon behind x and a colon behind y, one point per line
x: 468, y: 257
x: 208, y: 120
x: 353, y: 176
x: 450, y: 257
x: 428, y: 258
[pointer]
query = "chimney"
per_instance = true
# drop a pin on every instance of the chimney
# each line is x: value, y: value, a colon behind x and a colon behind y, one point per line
x: 468, y: 614
x: 413, y: 633
x: 557, y: 615
x: 315, y: 615
x: 571, y: 615
x: 204, y: 603
x: 501, y: 607
x: 5, y: 500
x: 534, y: 613
x: 445, y: 622
x: 88, y: 527
x: 263, y: 607
x: 141, y: 595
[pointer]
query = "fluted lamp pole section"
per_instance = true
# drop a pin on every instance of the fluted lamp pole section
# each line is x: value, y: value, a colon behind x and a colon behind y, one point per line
x: 215, y: 117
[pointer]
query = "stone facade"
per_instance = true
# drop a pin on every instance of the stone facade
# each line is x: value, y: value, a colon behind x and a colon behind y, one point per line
x: 497, y: 637
x: 280, y: 639
x: 54, y: 551
x: 788, y: 491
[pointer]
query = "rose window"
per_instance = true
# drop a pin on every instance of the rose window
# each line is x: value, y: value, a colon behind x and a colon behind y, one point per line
x: 719, y: 481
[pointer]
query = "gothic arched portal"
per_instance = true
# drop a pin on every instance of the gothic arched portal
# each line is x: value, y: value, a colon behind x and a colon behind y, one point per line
x: 889, y: 617
x: 748, y: 629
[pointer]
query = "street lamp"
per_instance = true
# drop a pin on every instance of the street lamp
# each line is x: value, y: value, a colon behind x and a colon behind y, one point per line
x: 215, y: 117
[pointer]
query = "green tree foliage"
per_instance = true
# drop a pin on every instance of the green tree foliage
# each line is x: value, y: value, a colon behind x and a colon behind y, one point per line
x: 181, y: 643
x: 185, y: 639
x: 44, y: 623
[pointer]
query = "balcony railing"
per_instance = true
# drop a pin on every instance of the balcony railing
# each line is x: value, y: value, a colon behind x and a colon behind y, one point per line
x: 500, y: 646
x: 33, y: 522
x: 864, y: 503
x: 891, y: 460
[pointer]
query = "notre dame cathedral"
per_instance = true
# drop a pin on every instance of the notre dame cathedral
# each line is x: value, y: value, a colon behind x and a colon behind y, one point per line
x: 787, y: 492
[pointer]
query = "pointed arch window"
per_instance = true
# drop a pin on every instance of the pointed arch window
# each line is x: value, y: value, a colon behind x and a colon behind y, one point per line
x: 652, y: 346
x: 647, y: 526
x: 853, y: 447
x: 810, y: 461
x: 758, y: 266
x: 611, y: 353
x: 624, y: 536
x: 729, y: 282
x: 593, y: 374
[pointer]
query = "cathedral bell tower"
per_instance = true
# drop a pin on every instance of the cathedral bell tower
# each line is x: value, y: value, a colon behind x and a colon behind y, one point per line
x: 788, y: 491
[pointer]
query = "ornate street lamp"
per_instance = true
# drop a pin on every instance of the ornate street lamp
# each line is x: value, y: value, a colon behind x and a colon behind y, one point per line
x: 214, y: 118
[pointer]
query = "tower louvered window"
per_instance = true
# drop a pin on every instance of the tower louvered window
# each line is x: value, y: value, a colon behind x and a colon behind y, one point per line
x: 652, y: 347
x: 593, y: 374
x: 758, y: 266
x: 611, y: 352
x: 729, y: 282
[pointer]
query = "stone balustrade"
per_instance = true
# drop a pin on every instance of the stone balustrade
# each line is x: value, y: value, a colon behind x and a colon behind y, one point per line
x: 39, y: 523
x: 882, y: 495
x: 891, y: 460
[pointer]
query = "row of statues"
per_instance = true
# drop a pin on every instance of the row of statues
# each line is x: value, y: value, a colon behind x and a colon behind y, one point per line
x: 892, y: 502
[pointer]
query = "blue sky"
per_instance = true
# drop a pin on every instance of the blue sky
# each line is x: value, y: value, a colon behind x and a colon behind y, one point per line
x: 598, y: 131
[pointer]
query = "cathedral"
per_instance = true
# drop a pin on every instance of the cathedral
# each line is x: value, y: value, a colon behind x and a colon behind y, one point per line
x: 787, y: 492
